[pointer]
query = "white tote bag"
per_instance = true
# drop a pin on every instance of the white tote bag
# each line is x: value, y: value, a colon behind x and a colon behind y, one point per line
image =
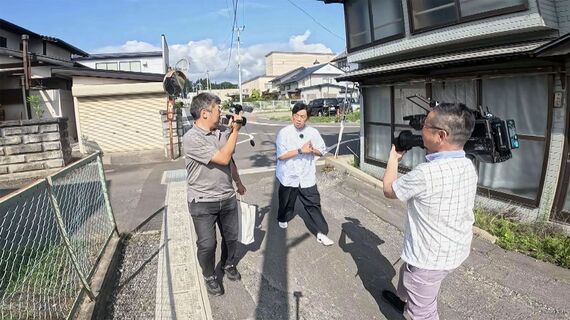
x: 246, y: 213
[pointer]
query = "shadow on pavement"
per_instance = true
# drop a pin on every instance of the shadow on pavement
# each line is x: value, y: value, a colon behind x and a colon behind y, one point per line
x: 375, y: 270
x: 273, y: 300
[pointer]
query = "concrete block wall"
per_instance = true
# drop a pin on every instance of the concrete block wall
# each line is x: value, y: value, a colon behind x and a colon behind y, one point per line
x: 177, y: 133
x: 31, y: 148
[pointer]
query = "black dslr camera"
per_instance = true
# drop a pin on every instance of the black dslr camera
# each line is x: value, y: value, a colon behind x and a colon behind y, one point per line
x: 491, y: 140
x: 234, y: 109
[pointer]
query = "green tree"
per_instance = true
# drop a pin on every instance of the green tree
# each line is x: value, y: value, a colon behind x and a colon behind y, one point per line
x: 255, y: 95
x: 35, y: 104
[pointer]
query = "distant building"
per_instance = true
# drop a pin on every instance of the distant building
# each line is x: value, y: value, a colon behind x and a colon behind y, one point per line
x: 148, y: 62
x: 278, y: 63
x: 309, y: 83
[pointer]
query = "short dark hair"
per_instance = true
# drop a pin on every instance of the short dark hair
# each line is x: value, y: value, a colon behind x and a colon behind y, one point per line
x: 300, y: 106
x: 203, y: 101
x: 456, y: 119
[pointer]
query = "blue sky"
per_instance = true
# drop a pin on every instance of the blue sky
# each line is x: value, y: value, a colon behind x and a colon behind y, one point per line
x: 196, y: 29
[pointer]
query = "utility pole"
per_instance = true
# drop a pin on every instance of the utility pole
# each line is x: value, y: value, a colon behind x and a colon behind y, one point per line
x: 208, y: 87
x: 238, y: 29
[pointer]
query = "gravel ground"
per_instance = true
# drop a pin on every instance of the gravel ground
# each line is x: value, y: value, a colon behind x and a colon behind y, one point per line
x: 135, y: 293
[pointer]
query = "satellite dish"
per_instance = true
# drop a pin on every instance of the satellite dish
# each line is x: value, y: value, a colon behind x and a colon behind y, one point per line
x: 174, y: 83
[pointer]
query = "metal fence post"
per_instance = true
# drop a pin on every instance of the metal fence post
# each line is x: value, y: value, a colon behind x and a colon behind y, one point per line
x: 65, y: 236
x: 105, y: 194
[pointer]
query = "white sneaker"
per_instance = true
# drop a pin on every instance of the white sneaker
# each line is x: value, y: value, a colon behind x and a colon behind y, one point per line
x: 324, y: 240
x: 283, y: 225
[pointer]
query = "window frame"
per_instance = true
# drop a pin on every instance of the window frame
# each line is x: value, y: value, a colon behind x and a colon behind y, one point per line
x: 3, y: 42
x: 367, y: 158
x: 371, y: 30
x: 460, y: 19
x: 483, y: 191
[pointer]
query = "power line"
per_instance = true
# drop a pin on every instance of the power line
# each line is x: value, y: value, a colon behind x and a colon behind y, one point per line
x: 235, y: 4
x: 316, y: 21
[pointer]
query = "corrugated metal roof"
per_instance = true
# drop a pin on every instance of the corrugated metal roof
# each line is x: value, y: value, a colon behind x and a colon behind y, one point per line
x: 444, y: 59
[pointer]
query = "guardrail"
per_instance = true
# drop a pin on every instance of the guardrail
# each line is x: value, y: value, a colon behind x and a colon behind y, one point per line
x: 52, y: 235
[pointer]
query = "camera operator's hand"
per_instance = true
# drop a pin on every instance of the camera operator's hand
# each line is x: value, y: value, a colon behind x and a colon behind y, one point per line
x: 396, y: 154
x: 236, y: 121
x: 241, y: 188
x: 307, y: 147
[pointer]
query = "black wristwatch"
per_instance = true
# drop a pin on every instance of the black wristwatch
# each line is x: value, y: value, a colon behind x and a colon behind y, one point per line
x: 299, y: 151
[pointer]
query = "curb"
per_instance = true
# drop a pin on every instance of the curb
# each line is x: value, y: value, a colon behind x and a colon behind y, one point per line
x: 342, y: 164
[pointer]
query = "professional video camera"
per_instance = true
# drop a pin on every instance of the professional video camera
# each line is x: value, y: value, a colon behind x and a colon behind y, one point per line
x: 234, y: 109
x: 491, y: 140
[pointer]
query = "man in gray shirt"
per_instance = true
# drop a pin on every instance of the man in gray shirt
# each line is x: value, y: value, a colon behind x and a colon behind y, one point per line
x: 208, y: 150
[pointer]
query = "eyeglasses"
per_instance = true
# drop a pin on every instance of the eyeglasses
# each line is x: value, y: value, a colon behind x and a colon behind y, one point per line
x: 437, y: 128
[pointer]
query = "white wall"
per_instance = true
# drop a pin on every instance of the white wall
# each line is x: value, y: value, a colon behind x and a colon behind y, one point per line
x: 78, y: 81
x: 148, y: 64
x: 68, y: 111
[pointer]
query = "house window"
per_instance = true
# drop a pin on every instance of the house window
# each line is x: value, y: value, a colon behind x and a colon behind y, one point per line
x: 3, y: 42
x: 134, y: 66
x: 377, y: 115
x: 373, y: 21
x: 473, y: 8
x: 106, y: 66
x: 387, y: 19
x: 358, y: 20
x: 433, y: 13
x: 430, y: 14
x: 524, y: 99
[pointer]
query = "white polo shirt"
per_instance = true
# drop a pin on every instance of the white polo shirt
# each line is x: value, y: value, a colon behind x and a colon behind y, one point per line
x: 440, y: 196
x: 301, y: 169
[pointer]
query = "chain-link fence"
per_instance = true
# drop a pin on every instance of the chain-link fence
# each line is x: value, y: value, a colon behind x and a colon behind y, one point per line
x: 52, y: 235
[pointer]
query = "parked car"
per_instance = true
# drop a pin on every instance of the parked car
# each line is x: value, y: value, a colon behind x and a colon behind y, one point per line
x: 247, y: 107
x: 351, y: 104
x: 323, y: 106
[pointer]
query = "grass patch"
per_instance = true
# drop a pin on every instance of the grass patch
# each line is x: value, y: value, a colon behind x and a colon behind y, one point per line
x: 350, y: 117
x: 539, y: 240
x: 37, y: 266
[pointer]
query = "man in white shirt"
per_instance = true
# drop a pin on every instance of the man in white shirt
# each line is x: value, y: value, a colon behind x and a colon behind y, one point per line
x: 298, y: 147
x: 440, y: 196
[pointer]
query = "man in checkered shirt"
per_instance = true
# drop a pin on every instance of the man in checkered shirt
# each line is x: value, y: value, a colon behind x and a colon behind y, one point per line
x: 440, y: 196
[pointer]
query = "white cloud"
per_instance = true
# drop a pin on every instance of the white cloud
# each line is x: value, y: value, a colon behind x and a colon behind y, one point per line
x: 129, y: 46
x: 297, y: 43
x: 205, y: 55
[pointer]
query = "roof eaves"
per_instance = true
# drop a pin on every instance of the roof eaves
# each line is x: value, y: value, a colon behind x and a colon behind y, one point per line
x: 113, y: 74
x: 498, y: 51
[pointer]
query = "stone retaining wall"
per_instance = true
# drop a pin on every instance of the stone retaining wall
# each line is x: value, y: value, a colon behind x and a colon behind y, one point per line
x: 32, y: 148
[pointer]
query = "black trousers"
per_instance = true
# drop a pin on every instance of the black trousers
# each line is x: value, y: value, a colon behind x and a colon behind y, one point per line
x: 311, y: 201
x: 206, y: 215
